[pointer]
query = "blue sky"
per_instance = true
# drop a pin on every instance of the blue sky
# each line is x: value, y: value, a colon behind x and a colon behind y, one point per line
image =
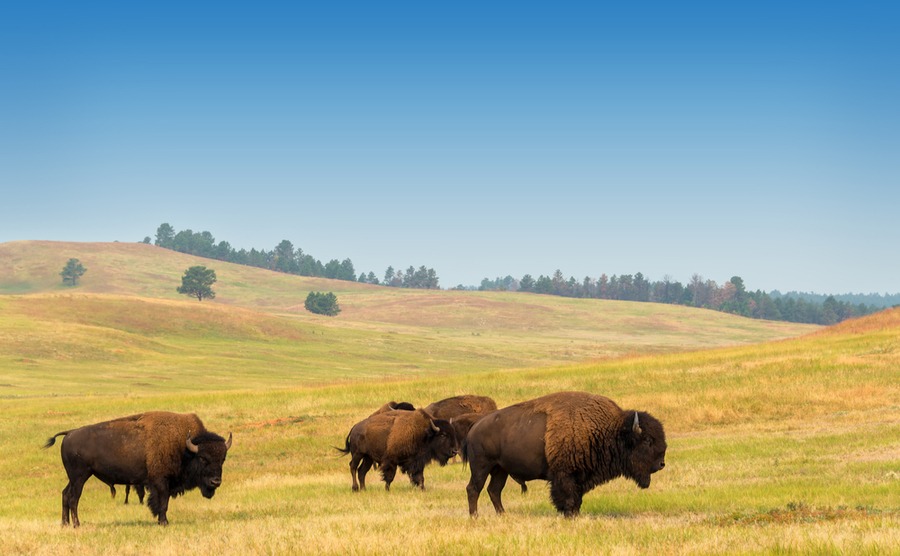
x: 480, y: 139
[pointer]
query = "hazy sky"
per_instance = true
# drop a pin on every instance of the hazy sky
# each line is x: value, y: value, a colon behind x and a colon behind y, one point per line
x: 481, y: 139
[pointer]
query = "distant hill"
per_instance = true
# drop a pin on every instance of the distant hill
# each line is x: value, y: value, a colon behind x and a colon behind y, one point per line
x: 128, y: 295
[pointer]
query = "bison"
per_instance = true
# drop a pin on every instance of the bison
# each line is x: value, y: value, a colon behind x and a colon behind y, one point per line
x: 405, y: 439
x: 392, y: 406
x: 574, y: 440
x: 170, y: 453
x: 457, y: 405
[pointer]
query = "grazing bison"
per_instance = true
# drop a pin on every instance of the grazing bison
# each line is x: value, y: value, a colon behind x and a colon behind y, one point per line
x: 574, y: 440
x: 392, y: 406
x: 457, y: 405
x: 405, y: 439
x: 170, y: 453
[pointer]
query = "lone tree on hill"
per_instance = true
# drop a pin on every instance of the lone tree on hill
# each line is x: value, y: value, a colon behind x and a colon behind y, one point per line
x: 72, y: 271
x: 322, y: 304
x: 197, y: 282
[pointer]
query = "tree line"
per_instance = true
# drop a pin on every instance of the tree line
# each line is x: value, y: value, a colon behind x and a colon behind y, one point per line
x: 730, y: 297
x: 288, y: 259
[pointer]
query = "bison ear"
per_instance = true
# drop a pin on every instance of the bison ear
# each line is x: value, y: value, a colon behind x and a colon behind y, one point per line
x: 193, y: 448
x: 636, y: 426
x: 228, y: 442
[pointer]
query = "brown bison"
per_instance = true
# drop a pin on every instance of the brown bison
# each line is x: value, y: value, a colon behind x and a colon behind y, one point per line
x: 574, y: 440
x: 405, y: 439
x: 170, y: 453
x: 457, y: 405
x: 392, y: 406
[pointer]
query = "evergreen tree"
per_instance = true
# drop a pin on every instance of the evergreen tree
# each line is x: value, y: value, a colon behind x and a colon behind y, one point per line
x: 322, y: 304
x: 197, y: 282
x: 164, y: 235
x: 72, y: 272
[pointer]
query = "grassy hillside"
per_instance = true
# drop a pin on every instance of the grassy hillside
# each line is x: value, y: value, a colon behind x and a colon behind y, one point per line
x: 531, y: 328
x: 785, y: 447
x: 783, y: 438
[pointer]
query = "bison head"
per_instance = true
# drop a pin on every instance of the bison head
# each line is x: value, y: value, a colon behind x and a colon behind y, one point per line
x: 442, y: 441
x: 645, y: 444
x: 205, y: 456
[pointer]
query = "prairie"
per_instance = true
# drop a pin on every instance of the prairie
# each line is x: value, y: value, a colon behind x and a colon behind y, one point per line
x: 782, y: 439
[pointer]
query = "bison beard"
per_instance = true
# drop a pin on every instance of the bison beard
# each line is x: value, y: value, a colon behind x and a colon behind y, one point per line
x: 170, y: 453
x: 574, y: 440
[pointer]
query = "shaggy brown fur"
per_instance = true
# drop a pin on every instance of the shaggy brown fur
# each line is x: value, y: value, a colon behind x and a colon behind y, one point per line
x: 574, y: 440
x: 457, y: 405
x: 462, y: 423
x: 404, y: 439
x: 576, y: 421
x: 394, y: 406
x: 145, y: 449
x: 166, y: 432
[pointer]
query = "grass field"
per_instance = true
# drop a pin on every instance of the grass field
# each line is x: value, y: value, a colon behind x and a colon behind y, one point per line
x: 781, y: 439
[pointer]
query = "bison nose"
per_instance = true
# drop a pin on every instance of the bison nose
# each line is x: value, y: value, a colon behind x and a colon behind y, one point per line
x: 662, y: 464
x: 216, y: 482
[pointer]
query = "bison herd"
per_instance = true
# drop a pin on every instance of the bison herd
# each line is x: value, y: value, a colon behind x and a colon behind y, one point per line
x: 573, y: 440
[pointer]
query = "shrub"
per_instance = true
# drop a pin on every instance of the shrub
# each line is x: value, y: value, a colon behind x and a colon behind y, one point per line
x: 322, y: 304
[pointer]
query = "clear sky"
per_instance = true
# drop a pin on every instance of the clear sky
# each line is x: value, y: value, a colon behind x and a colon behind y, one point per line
x: 481, y: 139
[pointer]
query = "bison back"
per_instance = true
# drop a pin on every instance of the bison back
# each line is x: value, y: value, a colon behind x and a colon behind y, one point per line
x: 458, y: 405
x: 513, y: 438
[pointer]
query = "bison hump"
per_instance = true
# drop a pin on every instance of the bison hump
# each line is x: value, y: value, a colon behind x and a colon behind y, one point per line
x: 407, y: 433
x: 580, y: 427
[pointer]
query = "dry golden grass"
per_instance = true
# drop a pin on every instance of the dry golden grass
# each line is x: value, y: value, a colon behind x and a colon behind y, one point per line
x: 787, y: 446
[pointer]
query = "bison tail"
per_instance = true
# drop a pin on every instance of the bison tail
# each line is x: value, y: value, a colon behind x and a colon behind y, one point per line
x: 52, y: 440
x: 346, y: 449
x: 463, y: 451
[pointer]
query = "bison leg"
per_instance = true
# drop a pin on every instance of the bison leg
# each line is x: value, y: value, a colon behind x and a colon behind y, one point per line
x: 495, y: 488
x: 127, y: 492
x: 75, y: 488
x: 65, y: 504
x: 159, y: 500
x: 417, y: 478
x: 388, y: 472
x: 354, y: 464
x: 72, y: 494
x: 473, y: 489
x: 566, y: 495
x: 140, y: 492
x: 363, y: 470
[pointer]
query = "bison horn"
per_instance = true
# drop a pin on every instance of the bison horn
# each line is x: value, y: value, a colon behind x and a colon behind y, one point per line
x: 636, y: 427
x: 434, y: 427
x: 228, y: 442
x: 191, y: 446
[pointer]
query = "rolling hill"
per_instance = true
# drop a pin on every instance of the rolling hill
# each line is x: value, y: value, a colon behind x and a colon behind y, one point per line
x: 125, y: 322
